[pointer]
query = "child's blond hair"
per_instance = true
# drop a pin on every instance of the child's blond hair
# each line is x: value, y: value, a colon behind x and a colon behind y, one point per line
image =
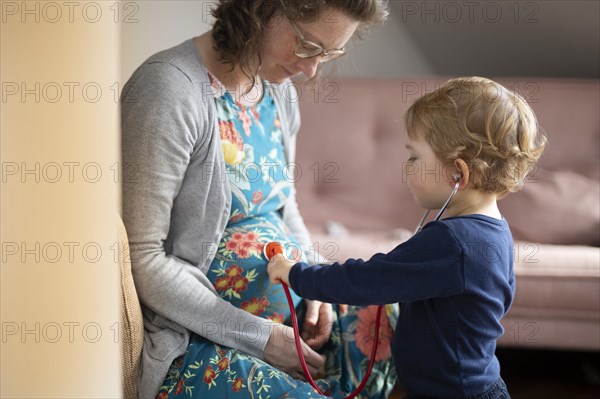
x: 478, y: 120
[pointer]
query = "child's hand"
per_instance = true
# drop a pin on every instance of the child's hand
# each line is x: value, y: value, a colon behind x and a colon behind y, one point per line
x: 279, y: 269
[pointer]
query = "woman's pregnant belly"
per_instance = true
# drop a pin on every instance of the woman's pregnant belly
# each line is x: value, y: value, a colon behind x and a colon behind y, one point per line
x: 239, y: 270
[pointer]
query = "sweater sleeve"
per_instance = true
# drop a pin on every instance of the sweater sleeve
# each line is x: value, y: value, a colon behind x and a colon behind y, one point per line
x: 429, y: 265
x: 164, y: 128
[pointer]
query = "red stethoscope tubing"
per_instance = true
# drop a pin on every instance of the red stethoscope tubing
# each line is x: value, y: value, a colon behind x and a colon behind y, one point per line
x: 272, y: 249
x: 301, y: 355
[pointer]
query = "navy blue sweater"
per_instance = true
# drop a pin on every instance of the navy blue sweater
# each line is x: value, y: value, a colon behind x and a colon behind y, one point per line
x: 454, y: 280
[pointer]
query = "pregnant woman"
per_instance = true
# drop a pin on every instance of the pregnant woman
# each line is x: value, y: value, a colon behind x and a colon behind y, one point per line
x: 208, y: 136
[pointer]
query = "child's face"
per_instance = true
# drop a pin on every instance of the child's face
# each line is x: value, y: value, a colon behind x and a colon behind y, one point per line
x: 428, y: 179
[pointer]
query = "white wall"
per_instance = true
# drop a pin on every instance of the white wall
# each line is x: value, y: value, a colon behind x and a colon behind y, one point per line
x: 153, y: 26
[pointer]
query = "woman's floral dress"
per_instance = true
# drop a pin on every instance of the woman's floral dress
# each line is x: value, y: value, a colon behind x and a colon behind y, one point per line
x: 260, y: 183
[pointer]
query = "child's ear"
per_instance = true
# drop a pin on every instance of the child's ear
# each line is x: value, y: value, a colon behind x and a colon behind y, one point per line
x: 462, y: 173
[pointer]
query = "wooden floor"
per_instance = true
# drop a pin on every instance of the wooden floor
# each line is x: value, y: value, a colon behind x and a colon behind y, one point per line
x: 535, y: 374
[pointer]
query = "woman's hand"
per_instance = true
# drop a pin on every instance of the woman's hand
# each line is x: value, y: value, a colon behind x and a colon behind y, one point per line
x: 318, y: 323
x: 279, y: 270
x: 280, y: 352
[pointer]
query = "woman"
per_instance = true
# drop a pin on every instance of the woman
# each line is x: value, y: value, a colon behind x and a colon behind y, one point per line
x: 208, y: 139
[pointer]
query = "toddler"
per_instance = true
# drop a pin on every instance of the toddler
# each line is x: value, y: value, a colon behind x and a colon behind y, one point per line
x: 454, y: 279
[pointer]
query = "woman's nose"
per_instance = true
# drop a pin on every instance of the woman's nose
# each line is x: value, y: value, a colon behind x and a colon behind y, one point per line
x: 309, y: 66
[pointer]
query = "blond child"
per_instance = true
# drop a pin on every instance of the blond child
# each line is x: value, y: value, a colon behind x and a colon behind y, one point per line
x: 454, y: 279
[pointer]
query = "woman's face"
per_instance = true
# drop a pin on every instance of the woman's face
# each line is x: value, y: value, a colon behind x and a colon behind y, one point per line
x: 331, y: 29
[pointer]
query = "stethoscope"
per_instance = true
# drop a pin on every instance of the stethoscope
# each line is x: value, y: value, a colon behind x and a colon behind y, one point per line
x: 273, y: 248
x: 443, y: 208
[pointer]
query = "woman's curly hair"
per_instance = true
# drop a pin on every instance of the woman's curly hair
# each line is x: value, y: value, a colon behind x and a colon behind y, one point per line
x: 239, y: 26
x: 478, y: 120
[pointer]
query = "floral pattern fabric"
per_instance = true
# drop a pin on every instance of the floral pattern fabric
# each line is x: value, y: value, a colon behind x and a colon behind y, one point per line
x: 253, y: 150
x: 208, y: 370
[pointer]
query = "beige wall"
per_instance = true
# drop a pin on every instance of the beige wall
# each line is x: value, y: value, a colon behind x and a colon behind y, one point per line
x: 59, y: 278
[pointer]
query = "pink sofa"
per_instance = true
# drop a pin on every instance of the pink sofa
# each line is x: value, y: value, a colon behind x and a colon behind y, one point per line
x: 355, y: 202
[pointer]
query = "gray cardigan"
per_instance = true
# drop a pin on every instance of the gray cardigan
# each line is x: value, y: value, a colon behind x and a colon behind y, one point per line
x: 176, y: 203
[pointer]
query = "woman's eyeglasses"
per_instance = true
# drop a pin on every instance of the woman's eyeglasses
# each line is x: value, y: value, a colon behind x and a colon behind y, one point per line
x: 308, y: 49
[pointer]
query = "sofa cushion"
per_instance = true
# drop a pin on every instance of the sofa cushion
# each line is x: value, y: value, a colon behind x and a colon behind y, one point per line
x: 567, y: 111
x: 557, y: 277
x: 350, y: 152
x: 555, y: 207
x: 357, y: 244
x: 557, y: 302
